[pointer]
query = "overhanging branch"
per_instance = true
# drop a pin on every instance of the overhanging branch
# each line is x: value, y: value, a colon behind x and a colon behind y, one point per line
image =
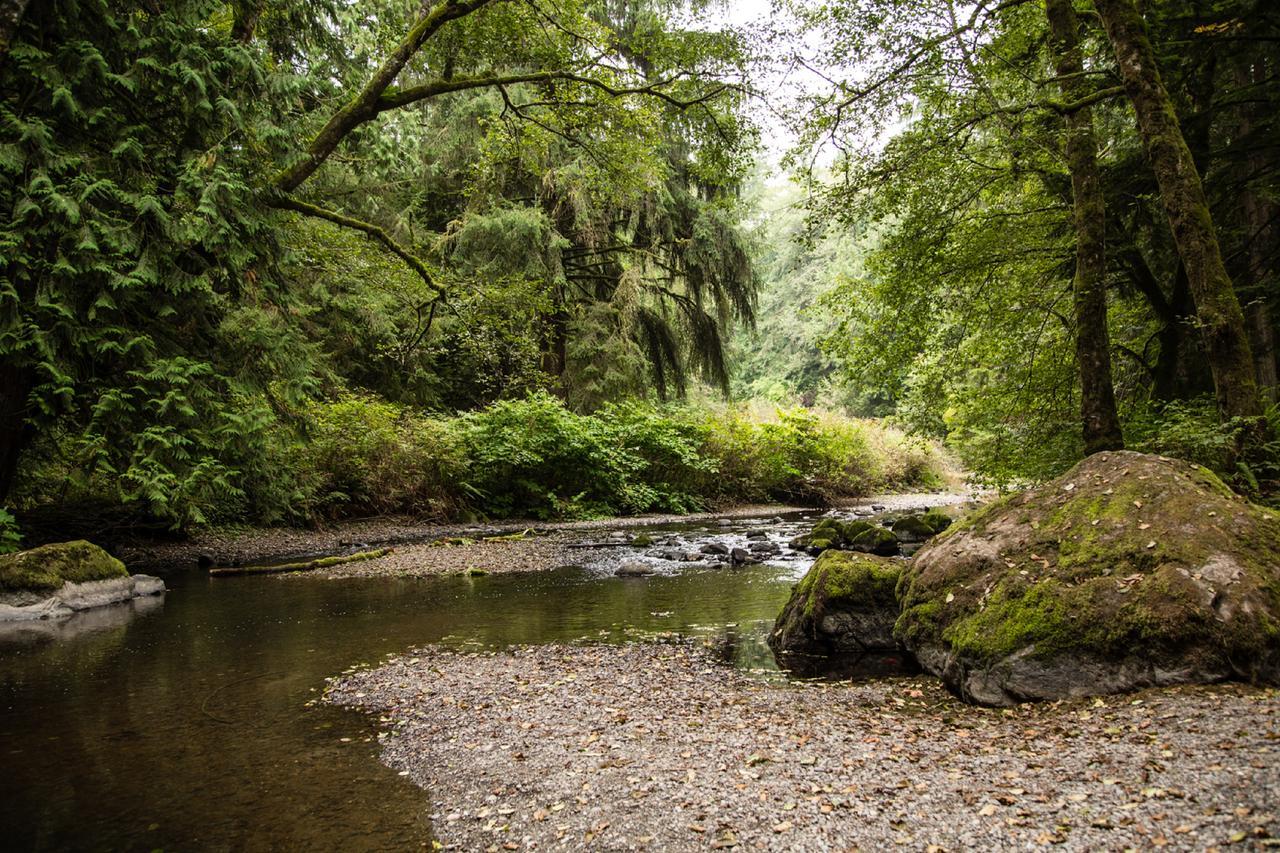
x: 286, y: 202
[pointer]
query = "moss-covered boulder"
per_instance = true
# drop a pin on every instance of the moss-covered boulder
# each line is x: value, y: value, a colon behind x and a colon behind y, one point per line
x: 912, y: 529
x: 875, y: 540
x: 830, y: 533
x: 47, y: 568
x: 937, y: 520
x: 845, y: 603
x: 1129, y: 571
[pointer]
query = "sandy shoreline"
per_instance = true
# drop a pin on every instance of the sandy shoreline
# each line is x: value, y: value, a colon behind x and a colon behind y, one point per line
x: 661, y: 747
x: 414, y: 553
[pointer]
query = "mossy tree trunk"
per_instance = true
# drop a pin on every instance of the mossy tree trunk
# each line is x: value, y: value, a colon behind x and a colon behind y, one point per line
x: 365, y: 105
x: 1259, y: 214
x: 1221, y: 319
x: 1093, y: 344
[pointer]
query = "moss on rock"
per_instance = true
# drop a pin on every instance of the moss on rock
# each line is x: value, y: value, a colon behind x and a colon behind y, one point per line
x: 912, y: 528
x: 1128, y: 571
x: 48, y: 567
x: 830, y: 533
x: 937, y: 520
x: 875, y: 540
x: 845, y: 602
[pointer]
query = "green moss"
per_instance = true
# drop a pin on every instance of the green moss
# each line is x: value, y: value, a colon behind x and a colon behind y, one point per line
x: 913, y: 526
x: 1214, y: 482
x: 937, y: 520
x: 642, y: 540
x: 876, y: 540
x: 46, y: 568
x: 849, y: 580
x: 1046, y: 615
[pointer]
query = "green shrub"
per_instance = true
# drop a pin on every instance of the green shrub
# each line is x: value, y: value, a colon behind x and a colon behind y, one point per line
x: 10, y: 536
x: 531, y: 457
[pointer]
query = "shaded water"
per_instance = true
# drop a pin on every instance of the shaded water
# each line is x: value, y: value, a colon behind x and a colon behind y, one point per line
x: 184, y: 723
x: 186, y: 727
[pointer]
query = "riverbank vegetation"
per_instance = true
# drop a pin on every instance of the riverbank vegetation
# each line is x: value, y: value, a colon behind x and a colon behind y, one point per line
x: 1058, y: 225
x: 533, y: 458
x: 298, y: 260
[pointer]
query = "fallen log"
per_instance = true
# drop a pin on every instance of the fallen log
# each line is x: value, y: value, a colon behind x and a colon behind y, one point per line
x: 320, y: 563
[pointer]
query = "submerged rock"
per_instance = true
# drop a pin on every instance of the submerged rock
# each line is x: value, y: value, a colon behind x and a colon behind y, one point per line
x: 845, y: 604
x: 1129, y: 571
x: 634, y: 569
x: 55, y: 581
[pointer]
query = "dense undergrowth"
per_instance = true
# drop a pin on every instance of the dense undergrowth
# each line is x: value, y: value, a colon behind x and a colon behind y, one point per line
x: 521, y: 458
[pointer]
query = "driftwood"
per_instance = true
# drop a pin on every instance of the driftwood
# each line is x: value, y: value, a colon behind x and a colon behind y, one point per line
x: 320, y: 563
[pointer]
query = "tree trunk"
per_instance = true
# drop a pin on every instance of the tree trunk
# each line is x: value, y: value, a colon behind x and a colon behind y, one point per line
x: 1259, y: 231
x: 1093, y: 344
x: 245, y: 23
x: 1222, y: 323
x: 15, y: 386
x: 11, y: 12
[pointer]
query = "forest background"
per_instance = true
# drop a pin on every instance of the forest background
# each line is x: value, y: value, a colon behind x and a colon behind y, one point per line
x: 298, y: 260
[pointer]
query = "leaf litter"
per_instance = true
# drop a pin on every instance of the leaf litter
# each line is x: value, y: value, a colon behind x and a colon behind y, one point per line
x: 655, y: 746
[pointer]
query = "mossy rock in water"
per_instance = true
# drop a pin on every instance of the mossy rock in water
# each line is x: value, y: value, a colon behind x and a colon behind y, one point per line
x: 47, y: 568
x: 1129, y: 571
x: 937, y: 520
x: 875, y: 540
x: 845, y: 603
x: 830, y: 533
x: 912, y: 528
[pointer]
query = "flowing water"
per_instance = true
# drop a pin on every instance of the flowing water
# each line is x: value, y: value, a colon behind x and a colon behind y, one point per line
x: 186, y: 722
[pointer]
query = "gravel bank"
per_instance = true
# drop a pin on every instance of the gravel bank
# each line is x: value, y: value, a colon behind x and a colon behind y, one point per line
x: 661, y: 747
x: 416, y: 555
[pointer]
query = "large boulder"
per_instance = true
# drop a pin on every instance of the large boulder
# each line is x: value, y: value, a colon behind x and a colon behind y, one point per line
x: 1129, y: 571
x: 845, y: 603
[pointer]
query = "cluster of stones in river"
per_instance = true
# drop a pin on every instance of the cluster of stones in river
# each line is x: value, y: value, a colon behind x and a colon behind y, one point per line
x: 1129, y: 571
x: 889, y: 539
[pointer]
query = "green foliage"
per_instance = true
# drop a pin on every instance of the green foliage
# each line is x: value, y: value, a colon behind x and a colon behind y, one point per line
x: 10, y: 534
x: 534, y: 457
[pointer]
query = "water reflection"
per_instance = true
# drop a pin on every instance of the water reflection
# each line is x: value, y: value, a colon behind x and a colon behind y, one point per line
x: 187, y: 727
x: 38, y: 631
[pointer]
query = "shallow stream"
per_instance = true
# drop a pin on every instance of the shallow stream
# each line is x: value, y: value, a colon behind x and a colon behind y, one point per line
x: 186, y: 723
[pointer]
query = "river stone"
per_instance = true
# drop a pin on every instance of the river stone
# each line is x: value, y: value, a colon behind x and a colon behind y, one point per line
x: 912, y: 529
x: 634, y: 569
x: 45, y: 569
x: 715, y: 548
x: 1129, y: 571
x: 875, y: 540
x: 844, y: 604
x: 830, y: 533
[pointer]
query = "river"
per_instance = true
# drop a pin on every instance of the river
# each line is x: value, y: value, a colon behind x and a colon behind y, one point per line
x: 188, y: 722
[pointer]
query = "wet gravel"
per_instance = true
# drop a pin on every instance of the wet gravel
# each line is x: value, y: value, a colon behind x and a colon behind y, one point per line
x: 662, y: 747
